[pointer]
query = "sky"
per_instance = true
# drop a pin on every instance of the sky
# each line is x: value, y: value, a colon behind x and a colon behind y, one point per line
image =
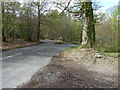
x: 108, y: 4
x: 105, y: 3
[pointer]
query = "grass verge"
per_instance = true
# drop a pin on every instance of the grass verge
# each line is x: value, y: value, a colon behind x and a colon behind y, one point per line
x: 59, y: 43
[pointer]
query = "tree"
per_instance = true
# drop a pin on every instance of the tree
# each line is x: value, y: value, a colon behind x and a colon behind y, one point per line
x: 109, y: 28
x: 41, y: 7
x: 88, y: 34
x: 3, y: 31
x: 9, y: 16
x: 84, y: 11
x: 38, y: 7
x: 55, y: 25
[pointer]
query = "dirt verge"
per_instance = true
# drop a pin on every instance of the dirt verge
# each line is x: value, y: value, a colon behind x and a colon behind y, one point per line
x: 17, y: 44
x: 76, y: 68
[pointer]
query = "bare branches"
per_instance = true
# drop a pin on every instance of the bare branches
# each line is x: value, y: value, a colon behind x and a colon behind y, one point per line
x: 66, y: 7
x: 77, y: 12
x: 47, y: 9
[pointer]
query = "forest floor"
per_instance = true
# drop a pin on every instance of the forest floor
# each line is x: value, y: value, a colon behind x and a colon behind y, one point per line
x: 16, y: 44
x: 77, y: 68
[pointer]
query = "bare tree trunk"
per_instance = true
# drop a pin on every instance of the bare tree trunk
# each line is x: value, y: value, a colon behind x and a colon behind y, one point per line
x: 3, y: 32
x: 38, y: 31
x: 88, y: 34
x: 84, y: 32
x: 3, y: 35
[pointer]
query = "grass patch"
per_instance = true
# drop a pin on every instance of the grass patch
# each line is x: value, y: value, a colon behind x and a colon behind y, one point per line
x: 113, y: 54
x: 108, y: 51
x: 107, y: 48
x: 75, y: 42
x: 59, y: 43
x: 72, y: 48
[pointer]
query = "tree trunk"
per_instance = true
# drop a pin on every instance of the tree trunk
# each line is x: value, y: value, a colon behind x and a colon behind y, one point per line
x: 88, y: 34
x: 3, y: 35
x: 84, y: 32
x: 38, y: 31
x: 29, y: 28
x: 3, y: 32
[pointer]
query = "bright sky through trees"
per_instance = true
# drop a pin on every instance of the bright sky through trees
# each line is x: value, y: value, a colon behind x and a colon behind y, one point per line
x: 105, y: 3
x: 108, y: 3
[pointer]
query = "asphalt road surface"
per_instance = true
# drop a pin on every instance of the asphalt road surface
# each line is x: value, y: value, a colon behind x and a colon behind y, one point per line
x: 18, y: 65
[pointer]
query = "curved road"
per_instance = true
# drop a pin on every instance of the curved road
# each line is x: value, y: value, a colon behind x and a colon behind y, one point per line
x: 18, y: 65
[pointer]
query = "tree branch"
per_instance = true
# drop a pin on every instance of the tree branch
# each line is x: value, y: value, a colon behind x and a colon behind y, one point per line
x: 66, y: 7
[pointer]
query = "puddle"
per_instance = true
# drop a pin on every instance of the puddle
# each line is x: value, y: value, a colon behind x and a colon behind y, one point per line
x: 51, y: 77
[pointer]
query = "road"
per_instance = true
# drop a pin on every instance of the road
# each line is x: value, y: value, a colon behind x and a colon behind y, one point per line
x: 18, y: 65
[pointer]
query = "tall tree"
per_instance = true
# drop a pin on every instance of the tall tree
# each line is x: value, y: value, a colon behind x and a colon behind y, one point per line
x: 3, y: 33
x: 88, y: 34
x: 38, y: 5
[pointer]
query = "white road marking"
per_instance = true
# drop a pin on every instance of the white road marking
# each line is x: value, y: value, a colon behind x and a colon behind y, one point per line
x: 10, y: 56
x: 17, y: 54
x: 28, y: 51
